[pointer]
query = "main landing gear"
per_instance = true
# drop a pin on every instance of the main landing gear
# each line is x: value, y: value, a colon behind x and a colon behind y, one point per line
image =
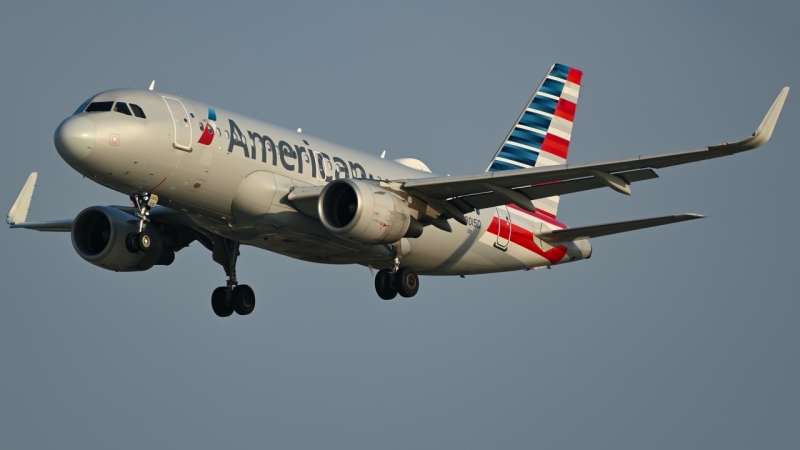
x: 397, y: 280
x: 234, y: 296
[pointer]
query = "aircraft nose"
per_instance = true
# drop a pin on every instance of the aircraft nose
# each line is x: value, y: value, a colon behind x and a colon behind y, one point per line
x: 74, y: 138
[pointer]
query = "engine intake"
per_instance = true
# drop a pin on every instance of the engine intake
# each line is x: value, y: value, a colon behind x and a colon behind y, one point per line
x: 363, y: 212
x: 98, y: 236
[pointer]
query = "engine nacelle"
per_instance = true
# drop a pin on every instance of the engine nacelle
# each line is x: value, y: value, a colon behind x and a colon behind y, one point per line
x: 98, y: 235
x: 363, y: 212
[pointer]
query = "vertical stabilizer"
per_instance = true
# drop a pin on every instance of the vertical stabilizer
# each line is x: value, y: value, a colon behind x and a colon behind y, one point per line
x: 542, y: 133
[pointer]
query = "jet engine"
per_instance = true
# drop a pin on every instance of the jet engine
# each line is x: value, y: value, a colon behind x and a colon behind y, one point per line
x: 100, y: 235
x: 363, y: 212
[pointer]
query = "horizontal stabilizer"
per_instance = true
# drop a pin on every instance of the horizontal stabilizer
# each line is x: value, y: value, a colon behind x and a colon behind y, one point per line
x: 574, y: 234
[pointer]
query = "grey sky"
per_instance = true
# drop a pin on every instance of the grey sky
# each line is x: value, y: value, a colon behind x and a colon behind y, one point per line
x: 684, y: 336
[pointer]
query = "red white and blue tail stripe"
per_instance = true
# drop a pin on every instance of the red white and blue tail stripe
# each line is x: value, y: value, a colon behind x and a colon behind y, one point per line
x: 542, y: 133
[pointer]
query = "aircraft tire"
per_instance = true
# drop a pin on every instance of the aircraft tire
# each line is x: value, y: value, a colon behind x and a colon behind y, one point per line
x: 244, y: 299
x: 407, y: 282
x: 219, y: 302
x: 144, y: 241
x: 132, y: 242
x: 383, y: 285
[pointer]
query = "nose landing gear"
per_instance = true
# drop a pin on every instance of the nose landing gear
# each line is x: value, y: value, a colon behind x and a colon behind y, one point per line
x: 233, y: 297
x: 141, y: 241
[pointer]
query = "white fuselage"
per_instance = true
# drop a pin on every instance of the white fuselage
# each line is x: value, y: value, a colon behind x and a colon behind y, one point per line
x: 173, y: 154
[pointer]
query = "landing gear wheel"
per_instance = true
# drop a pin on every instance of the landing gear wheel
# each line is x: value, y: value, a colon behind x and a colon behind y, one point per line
x: 139, y: 242
x: 407, y: 282
x: 131, y: 242
x: 385, y: 286
x: 220, y: 302
x: 144, y: 241
x: 243, y: 299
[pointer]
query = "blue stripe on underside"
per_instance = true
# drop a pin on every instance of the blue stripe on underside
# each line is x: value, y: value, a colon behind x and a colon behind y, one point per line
x: 518, y: 154
x: 542, y: 103
x: 552, y: 87
x: 533, y: 120
x: 529, y: 138
x: 560, y: 71
x: 498, y: 166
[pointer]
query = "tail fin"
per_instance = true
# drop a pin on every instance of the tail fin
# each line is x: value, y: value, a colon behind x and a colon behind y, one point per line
x: 541, y: 135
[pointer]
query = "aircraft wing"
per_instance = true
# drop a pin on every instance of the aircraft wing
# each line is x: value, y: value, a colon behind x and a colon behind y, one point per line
x: 56, y: 225
x: 467, y: 192
x: 19, y: 212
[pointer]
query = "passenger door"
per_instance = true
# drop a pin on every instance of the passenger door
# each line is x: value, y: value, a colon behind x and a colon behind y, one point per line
x: 180, y: 118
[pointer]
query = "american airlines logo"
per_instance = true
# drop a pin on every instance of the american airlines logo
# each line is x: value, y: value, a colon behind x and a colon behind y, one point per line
x: 322, y: 165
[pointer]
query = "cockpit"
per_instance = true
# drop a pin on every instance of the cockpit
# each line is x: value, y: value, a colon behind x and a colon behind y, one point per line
x: 129, y: 109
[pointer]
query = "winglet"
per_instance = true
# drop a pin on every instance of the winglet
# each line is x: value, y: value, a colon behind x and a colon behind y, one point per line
x: 764, y: 131
x: 19, y: 212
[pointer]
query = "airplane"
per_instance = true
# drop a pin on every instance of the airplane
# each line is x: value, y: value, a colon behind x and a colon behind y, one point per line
x: 194, y: 172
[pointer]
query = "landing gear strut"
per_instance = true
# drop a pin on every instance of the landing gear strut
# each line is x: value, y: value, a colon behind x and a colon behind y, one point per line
x: 234, y: 296
x: 141, y: 241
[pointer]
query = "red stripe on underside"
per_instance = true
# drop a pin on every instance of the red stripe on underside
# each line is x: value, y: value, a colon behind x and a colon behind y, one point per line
x: 575, y: 76
x: 541, y: 215
x: 524, y: 238
x: 566, y: 110
x: 556, y: 145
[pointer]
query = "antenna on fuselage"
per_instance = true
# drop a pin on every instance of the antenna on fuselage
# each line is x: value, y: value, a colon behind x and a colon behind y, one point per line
x: 152, y: 85
x: 383, y: 154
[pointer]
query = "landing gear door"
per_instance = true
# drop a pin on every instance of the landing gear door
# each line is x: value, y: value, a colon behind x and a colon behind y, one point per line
x: 504, y: 228
x: 183, y: 128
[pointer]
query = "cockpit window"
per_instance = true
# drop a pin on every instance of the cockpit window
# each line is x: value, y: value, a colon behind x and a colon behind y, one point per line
x: 137, y: 111
x: 122, y: 108
x: 82, y: 107
x: 99, y: 106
